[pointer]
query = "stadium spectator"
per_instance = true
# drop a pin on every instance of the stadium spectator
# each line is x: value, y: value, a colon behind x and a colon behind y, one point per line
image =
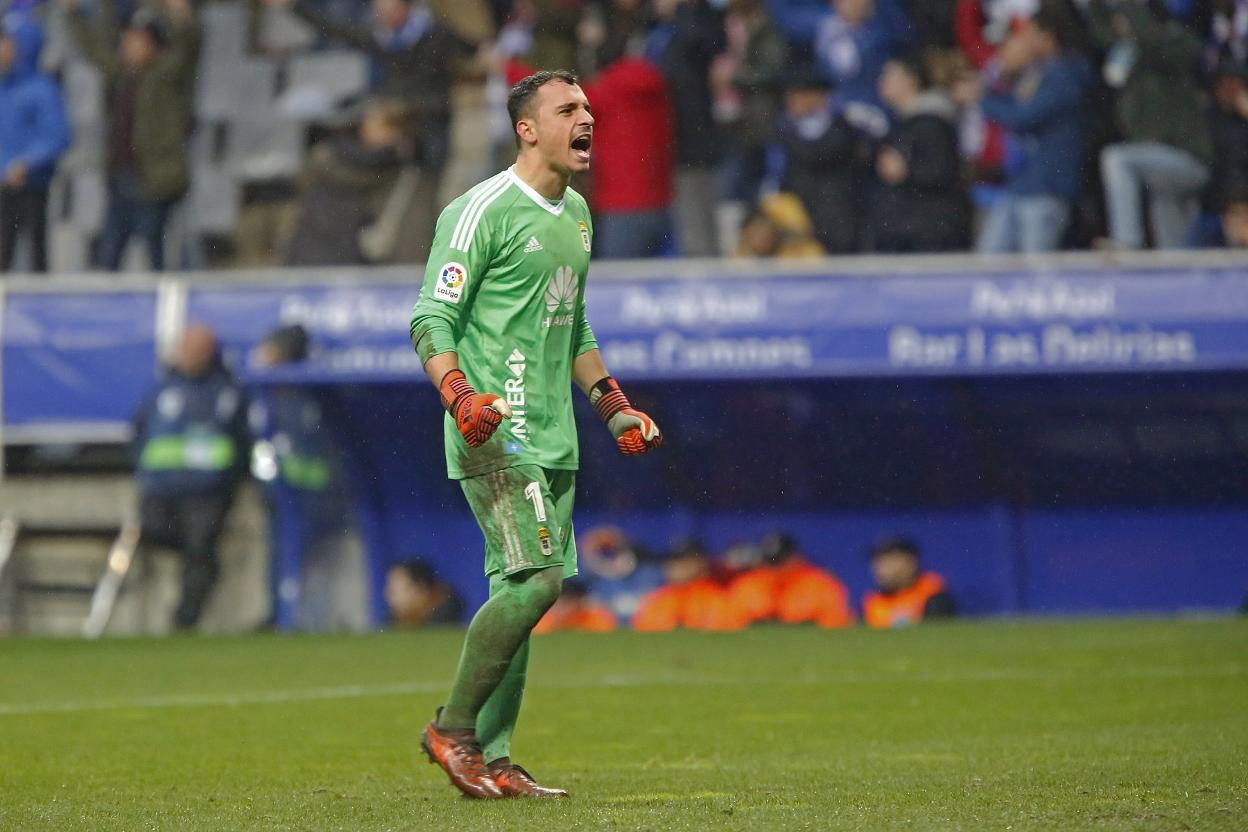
x: 318, y: 561
x: 576, y: 611
x: 553, y: 32
x: 348, y: 183
x: 1228, y: 228
x: 632, y: 134
x: 1229, y: 127
x: 617, y: 570
x: 746, y: 81
x: 778, y: 227
x: 1166, y: 151
x: 1041, y: 99
x: 1227, y: 41
x: 688, y: 36
x: 853, y: 42
x: 190, y: 451
x: 921, y: 205
x: 789, y: 589
x: 820, y: 159
x: 149, y: 71
x: 982, y: 26
x: 694, y: 597
x: 418, y: 598
x: 417, y: 58
x: 903, y: 594
x: 34, y: 132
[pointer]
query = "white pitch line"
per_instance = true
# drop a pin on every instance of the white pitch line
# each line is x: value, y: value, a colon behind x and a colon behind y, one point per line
x: 911, y: 676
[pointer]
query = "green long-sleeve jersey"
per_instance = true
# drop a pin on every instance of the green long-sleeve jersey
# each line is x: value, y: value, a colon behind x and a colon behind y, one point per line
x: 505, y: 289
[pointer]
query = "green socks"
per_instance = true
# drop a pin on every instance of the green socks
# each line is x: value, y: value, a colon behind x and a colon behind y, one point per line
x: 496, y: 649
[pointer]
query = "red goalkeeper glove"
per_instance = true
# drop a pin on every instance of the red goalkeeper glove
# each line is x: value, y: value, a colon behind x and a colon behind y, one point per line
x: 477, y: 415
x: 634, y: 431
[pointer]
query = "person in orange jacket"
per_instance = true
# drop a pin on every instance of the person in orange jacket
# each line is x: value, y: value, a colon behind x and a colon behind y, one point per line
x: 904, y: 594
x: 788, y: 588
x: 693, y: 597
x: 575, y: 610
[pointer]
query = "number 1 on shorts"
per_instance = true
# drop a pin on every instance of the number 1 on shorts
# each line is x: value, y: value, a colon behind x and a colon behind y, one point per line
x: 533, y: 492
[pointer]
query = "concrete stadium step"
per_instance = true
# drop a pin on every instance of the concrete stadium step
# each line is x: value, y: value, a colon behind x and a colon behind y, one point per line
x: 54, y: 571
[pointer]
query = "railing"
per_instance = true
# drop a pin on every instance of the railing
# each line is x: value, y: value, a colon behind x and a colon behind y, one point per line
x: 9, y: 528
x: 120, y: 559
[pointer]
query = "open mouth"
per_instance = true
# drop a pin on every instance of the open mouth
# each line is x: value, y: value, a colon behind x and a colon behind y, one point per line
x: 581, y: 146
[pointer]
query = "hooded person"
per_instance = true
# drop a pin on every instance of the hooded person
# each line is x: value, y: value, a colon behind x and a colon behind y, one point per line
x: 922, y: 204
x: 34, y: 133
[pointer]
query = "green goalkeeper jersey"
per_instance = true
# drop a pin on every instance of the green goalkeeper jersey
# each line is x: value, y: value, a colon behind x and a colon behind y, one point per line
x: 505, y: 289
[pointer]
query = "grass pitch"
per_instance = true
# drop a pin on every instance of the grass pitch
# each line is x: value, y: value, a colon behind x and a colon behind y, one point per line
x: 1097, y: 725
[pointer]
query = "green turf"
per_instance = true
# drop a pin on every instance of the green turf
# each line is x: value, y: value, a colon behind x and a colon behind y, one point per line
x: 1099, y: 725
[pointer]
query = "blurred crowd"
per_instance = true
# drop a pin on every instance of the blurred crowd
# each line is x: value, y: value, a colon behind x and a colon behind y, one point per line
x: 765, y: 128
x: 771, y: 581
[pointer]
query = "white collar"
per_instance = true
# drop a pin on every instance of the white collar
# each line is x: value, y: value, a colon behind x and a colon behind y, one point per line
x: 534, y: 195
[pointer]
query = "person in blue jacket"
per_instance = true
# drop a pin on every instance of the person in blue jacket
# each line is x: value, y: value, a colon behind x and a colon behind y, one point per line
x: 318, y: 564
x: 853, y: 41
x: 191, y: 450
x: 1044, y: 107
x: 34, y: 132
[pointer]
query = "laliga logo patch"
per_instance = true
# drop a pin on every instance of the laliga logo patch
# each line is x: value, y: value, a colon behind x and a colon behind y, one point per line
x: 451, y: 282
x: 584, y: 233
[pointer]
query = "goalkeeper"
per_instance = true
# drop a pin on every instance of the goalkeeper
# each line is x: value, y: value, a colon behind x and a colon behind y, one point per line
x: 500, y: 328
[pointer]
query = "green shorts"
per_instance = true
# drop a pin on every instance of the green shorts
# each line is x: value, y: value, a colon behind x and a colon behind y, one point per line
x: 525, y: 513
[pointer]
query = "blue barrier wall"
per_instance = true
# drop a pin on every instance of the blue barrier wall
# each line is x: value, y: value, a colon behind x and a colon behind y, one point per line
x: 1064, y: 439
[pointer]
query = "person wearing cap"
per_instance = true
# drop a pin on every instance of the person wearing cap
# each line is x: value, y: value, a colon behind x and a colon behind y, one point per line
x: 694, y: 597
x: 904, y: 594
x: 319, y: 565
x: 34, y: 133
x: 820, y: 158
x: 149, y: 74
x: 190, y: 454
x: 576, y: 610
x: 787, y: 588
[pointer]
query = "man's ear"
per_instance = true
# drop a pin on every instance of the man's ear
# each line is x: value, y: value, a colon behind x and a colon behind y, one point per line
x: 526, y: 131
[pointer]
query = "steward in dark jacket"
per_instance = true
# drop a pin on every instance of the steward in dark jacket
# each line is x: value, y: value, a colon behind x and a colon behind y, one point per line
x: 191, y: 448
x: 922, y: 204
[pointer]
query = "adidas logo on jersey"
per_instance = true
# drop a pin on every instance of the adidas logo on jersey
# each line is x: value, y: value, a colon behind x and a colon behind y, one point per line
x: 532, y: 245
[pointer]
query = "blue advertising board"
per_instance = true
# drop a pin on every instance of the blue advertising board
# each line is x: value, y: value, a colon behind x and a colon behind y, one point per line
x: 815, y: 326
x: 77, y: 358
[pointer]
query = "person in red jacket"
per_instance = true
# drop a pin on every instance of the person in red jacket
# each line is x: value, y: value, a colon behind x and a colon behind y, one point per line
x: 694, y: 597
x: 788, y: 588
x: 632, y: 176
x: 904, y: 595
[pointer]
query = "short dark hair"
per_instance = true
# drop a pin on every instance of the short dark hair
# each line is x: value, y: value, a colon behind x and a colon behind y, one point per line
x: 418, y: 571
x: 894, y: 543
x: 522, y: 93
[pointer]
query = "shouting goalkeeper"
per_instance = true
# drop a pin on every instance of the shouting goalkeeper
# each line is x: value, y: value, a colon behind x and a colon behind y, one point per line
x: 500, y: 327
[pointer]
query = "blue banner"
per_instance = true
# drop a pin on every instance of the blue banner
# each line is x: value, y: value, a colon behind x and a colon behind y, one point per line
x: 808, y: 326
x: 83, y: 357
x: 75, y: 358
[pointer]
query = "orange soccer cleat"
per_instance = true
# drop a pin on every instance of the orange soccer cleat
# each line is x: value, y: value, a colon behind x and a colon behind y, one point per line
x: 514, y: 781
x: 459, y: 755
